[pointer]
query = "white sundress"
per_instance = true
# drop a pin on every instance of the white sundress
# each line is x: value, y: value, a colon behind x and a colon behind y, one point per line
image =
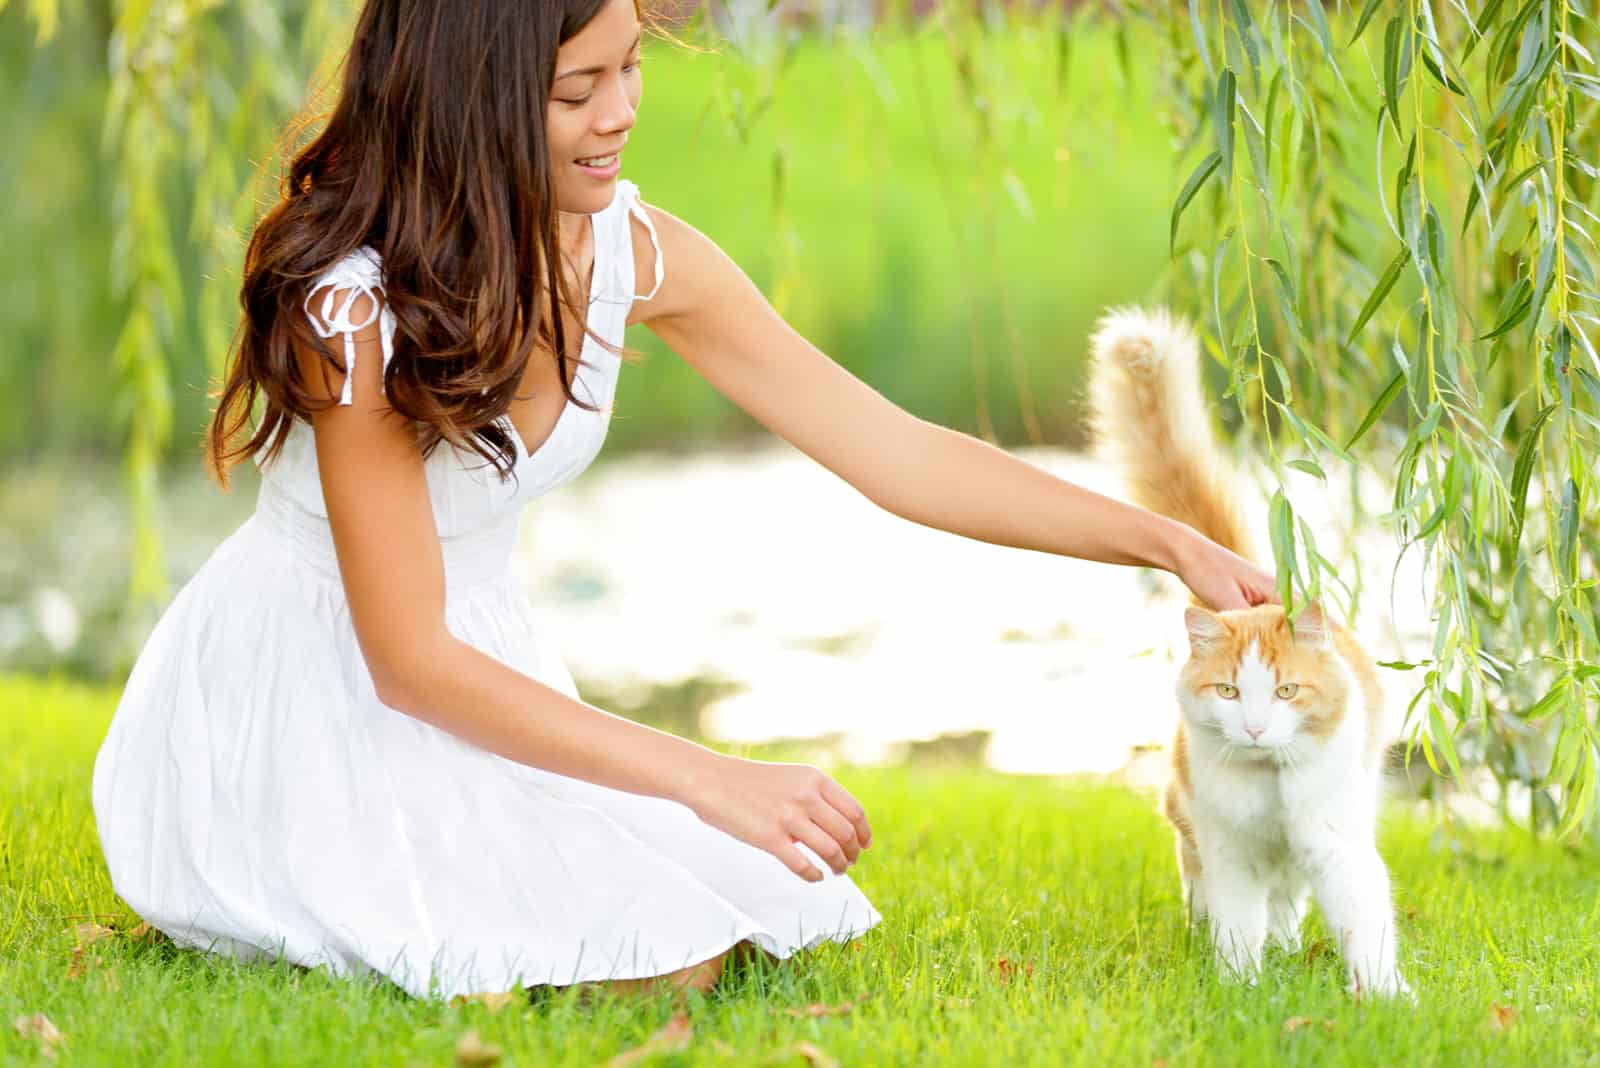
x: 253, y: 795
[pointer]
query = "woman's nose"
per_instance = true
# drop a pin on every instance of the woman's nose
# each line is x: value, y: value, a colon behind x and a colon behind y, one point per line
x: 618, y: 114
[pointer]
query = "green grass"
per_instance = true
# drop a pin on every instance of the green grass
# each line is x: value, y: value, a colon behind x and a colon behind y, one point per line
x: 1071, y: 882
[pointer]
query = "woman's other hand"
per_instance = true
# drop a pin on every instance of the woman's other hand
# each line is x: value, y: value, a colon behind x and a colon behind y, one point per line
x: 772, y: 806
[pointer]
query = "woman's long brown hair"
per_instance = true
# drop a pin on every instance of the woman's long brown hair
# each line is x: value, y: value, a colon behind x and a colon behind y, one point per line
x: 434, y: 155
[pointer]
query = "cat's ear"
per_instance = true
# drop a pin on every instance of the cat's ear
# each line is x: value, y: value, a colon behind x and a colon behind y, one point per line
x: 1311, y: 626
x: 1205, y: 629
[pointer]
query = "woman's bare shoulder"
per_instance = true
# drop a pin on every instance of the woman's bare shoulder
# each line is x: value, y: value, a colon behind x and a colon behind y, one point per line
x: 693, y: 266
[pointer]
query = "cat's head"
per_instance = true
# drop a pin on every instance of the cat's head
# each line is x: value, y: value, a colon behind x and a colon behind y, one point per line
x: 1264, y: 687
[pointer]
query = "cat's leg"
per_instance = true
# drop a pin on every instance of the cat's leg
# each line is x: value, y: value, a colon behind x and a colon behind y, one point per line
x: 1236, y: 911
x: 1194, y: 899
x: 1352, y: 887
x: 1286, y: 911
x: 1194, y: 886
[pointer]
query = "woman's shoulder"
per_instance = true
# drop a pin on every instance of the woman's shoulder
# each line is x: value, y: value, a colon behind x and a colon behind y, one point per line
x: 677, y: 265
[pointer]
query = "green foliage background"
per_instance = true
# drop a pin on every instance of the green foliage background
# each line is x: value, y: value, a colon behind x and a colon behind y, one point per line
x: 1382, y: 213
x: 1397, y: 208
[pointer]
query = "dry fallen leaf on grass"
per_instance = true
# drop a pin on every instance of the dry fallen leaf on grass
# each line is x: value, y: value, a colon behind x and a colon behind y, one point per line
x: 844, y: 1008
x: 1317, y: 950
x: 472, y: 1052
x: 670, y: 1039
x: 494, y: 1002
x: 1295, y: 1023
x: 88, y: 934
x: 39, y: 1027
x: 813, y: 1055
x: 1009, y: 968
x: 1502, y: 1017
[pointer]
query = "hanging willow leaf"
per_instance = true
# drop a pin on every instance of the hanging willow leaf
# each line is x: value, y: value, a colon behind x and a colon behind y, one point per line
x: 1319, y: 26
x: 1206, y: 168
x: 1567, y: 526
x: 1361, y: 23
x: 1281, y: 517
x: 1481, y: 26
x: 1247, y: 37
x: 1222, y: 114
x: 1522, y: 473
x: 1394, y: 35
x: 1199, y: 27
x: 1390, y: 392
x: 1479, y: 178
x: 1391, y: 275
x: 1546, y: 704
x: 1514, y: 309
x: 1440, y: 76
x: 1443, y: 736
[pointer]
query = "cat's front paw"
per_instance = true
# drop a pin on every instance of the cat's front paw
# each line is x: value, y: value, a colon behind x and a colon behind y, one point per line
x: 1287, y: 938
x: 1237, y: 969
x: 1233, y: 977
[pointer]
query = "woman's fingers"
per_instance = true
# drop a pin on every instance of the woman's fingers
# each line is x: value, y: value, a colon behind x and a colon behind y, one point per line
x: 820, y: 842
x: 796, y: 862
x: 847, y: 806
x: 837, y: 828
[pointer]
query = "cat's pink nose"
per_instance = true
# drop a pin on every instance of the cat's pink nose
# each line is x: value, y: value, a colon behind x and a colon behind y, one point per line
x: 1255, y: 733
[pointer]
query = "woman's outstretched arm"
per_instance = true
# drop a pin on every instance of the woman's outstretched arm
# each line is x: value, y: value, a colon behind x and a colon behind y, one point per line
x: 711, y: 314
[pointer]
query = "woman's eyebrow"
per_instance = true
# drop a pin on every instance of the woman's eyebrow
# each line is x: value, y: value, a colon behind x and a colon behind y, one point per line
x: 597, y: 70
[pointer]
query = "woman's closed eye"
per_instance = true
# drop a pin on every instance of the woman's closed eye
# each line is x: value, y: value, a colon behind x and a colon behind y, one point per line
x: 578, y: 102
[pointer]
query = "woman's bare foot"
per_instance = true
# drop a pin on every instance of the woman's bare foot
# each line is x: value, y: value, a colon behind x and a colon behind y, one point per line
x: 697, y: 977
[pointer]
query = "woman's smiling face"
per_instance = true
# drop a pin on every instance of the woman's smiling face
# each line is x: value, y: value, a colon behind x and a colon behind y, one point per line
x: 593, y: 101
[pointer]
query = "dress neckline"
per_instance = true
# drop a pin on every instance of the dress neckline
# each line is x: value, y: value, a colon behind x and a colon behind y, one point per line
x: 588, y: 325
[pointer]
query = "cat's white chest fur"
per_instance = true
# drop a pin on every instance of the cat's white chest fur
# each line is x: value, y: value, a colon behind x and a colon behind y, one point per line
x: 1245, y: 800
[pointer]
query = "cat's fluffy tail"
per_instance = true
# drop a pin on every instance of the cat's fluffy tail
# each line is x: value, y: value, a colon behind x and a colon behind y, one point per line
x: 1149, y: 418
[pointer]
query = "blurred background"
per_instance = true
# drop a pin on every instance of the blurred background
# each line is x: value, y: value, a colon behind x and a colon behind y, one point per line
x: 943, y: 197
x: 703, y: 574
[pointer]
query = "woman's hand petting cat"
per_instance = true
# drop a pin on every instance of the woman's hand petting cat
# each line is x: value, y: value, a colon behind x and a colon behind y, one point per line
x: 1221, y: 578
x: 772, y: 806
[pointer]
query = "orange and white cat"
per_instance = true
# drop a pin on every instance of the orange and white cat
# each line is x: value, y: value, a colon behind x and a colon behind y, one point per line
x: 1277, y: 762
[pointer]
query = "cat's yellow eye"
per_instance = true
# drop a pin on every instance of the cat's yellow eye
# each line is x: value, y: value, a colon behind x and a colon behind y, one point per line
x: 1227, y: 691
x: 1287, y: 691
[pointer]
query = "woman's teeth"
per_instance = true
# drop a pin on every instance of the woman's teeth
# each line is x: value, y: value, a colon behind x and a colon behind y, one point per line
x: 598, y: 161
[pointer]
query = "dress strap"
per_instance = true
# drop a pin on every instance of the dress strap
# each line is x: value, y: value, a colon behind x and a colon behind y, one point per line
x: 358, y: 274
x: 629, y: 193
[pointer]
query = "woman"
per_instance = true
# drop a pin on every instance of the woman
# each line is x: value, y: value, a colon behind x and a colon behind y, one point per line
x: 345, y: 742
